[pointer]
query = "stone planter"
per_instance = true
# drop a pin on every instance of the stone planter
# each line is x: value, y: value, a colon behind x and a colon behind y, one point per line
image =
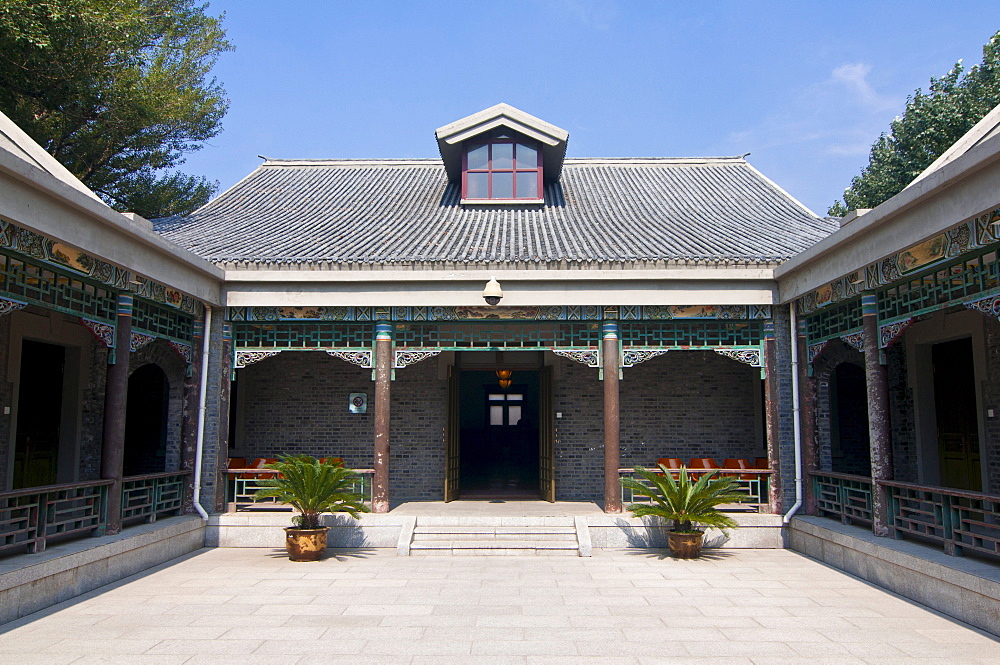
x: 305, y: 544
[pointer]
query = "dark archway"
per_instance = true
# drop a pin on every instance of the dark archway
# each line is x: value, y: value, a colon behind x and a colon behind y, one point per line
x: 849, y: 436
x: 39, y: 414
x: 146, y: 421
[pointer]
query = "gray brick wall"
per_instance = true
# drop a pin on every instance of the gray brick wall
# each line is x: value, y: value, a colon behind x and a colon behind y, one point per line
x: 901, y: 418
x: 785, y: 428
x: 160, y: 353
x: 92, y: 431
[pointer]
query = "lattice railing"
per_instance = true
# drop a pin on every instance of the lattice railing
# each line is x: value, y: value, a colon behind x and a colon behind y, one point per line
x: 30, y: 517
x: 960, y: 280
x: 956, y: 519
x: 842, y: 495
x: 153, y: 495
x: 753, y: 483
x: 162, y: 321
x: 498, y: 335
x: 40, y: 284
x: 242, y: 486
x: 681, y: 333
x: 287, y: 335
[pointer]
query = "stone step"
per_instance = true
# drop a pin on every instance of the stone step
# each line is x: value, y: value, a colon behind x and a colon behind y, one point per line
x: 495, y: 537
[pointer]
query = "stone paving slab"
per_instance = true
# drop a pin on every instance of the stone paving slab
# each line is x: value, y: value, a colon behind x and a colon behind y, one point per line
x: 619, y: 607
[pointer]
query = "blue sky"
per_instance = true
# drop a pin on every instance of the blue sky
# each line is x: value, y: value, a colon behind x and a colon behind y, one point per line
x: 804, y: 87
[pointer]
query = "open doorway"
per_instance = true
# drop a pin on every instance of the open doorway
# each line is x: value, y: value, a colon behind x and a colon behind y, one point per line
x: 499, y: 440
x: 146, y: 421
x: 956, y: 415
x: 849, y: 436
x: 39, y: 414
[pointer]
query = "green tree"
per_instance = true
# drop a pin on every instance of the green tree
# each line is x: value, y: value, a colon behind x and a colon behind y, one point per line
x: 931, y: 123
x: 119, y: 92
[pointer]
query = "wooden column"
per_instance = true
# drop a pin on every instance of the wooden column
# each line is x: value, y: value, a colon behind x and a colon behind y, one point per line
x: 879, y: 433
x: 115, y: 402
x: 772, y: 426
x: 807, y: 409
x: 612, y: 455
x: 189, y: 429
x: 225, y: 389
x: 383, y: 393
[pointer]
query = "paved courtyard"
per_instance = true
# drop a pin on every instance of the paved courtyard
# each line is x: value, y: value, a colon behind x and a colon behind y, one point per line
x: 249, y: 606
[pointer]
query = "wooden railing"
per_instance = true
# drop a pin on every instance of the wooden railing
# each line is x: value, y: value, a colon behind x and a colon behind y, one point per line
x: 152, y: 495
x: 844, y: 496
x: 753, y: 483
x: 30, y: 517
x: 242, y: 486
x: 960, y: 521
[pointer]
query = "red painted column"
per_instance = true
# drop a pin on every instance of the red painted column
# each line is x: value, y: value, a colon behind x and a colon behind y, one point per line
x: 383, y: 394
x: 771, y: 416
x: 807, y: 409
x: 612, y: 454
x: 879, y: 432
x: 115, y: 403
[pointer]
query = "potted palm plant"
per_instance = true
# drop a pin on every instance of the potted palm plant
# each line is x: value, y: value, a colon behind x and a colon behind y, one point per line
x: 684, y: 502
x: 312, y: 487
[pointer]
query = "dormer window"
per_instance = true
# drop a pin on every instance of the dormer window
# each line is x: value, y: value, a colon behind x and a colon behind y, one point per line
x: 502, y: 167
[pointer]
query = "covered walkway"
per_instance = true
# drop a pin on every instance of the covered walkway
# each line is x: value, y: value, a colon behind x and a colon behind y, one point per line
x: 365, y: 606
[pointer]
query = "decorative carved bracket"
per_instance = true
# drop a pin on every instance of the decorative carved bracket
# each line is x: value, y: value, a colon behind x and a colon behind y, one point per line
x: 359, y: 358
x: 890, y: 332
x: 588, y: 357
x: 8, y: 306
x: 632, y: 357
x: 404, y: 358
x: 104, y: 332
x: 244, y: 358
x: 185, y: 351
x: 987, y: 306
x: 139, y: 340
x: 751, y: 357
x: 855, y: 340
x: 815, y: 349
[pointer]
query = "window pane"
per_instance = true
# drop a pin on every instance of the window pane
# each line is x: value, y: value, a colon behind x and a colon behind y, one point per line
x: 514, y: 415
x: 527, y: 157
x: 479, y: 157
x: 503, y: 156
x: 527, y: 185
x: 503, y: 186
x: 476, y: 185
x: 515, y: 397
x: 496, y: 397
x: 496, y: 415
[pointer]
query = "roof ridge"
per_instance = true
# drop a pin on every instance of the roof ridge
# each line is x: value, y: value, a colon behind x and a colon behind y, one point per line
x: 423, y: 161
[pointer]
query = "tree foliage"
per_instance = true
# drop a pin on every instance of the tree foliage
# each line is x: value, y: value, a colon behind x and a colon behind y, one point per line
x: 931, y: 123
x: 119, y: 92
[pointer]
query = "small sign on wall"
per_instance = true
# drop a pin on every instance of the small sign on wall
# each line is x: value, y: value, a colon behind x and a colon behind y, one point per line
x: 358, y: 403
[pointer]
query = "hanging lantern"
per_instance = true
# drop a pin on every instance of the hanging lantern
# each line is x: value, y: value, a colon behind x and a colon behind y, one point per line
x: 504, y: 376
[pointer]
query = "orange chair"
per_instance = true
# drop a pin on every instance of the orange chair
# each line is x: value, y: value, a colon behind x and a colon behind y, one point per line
x: 259, y: 463
x: 238, y: 463
x: 701, y: 463
x: 337, y: 461
x: 761, y: 463
x: 670, y: 462
x: 731, y: 463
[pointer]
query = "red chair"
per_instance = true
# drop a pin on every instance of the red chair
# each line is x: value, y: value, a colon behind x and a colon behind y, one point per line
x: 761, y: 463
x: 670, y: 462
x: 701, y: 463
x: 336, y: 461
x: 731, y: 463
x: 259, y: 463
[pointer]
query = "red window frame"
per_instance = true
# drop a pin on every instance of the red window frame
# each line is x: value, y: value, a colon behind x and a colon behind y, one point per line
x: 514, y: 170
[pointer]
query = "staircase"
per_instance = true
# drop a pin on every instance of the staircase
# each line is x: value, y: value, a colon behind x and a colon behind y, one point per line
x: 497, y: 536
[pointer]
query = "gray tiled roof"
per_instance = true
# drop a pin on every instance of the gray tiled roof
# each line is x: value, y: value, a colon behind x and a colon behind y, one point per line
x: 405, y: 211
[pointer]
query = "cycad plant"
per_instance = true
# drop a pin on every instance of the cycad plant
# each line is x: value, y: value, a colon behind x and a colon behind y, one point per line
x: 684, y: 501
x: 312, y: 487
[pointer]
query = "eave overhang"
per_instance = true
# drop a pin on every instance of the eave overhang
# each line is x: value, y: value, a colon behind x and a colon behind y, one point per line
x: 552, y: 139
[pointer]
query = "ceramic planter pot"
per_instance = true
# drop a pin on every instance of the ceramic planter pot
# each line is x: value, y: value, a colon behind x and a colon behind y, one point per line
x: 684, y: 545
x: 305, y: 544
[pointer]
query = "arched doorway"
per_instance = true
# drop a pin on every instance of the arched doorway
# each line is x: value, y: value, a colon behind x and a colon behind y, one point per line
x: 849, y: 438
x: 146, y: 421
